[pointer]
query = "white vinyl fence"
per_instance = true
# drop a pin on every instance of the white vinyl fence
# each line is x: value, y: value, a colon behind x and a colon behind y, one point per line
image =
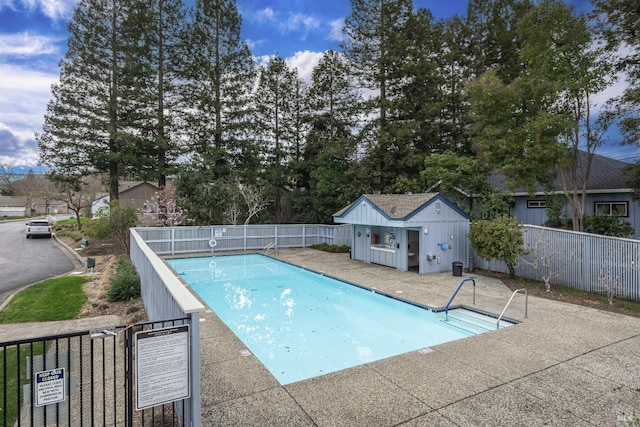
x: 166, y: 298
x: 584, y: 261
x: 184, y: 240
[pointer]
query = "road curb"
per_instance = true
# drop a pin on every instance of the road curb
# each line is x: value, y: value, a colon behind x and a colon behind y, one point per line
x: 73, y: 255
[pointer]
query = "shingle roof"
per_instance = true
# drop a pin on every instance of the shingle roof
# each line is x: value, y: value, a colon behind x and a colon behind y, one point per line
x: 605, y: 174
x: 395, y: 206
x: 13, y: 201
x: 128, y: 185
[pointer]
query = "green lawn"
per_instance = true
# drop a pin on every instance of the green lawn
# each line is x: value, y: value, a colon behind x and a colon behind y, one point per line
x: 60, y: 298
x: 14, y: 393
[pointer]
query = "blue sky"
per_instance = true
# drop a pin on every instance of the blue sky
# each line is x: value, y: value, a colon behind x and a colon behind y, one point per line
x: 33, y: 40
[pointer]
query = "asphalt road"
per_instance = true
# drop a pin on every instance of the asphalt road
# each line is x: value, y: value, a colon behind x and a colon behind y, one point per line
x: 25, y: 261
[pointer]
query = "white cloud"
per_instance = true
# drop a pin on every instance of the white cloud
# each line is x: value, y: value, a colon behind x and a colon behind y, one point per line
x: 304, y: 62
x: 335, y: 33
x: 266, y: 14
x: 9, y: 4
x: 263, y: 60
x: 53, y: 9
x: 302, y: 23
x: 27, y: 44
x: 618, y: 87
x: 24, y: 94
x: 16, y: 150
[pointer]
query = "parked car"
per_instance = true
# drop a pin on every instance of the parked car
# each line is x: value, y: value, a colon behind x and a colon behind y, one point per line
x: 38, y: 227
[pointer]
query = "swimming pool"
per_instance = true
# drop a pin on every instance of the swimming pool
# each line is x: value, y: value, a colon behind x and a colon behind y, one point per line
x: 301, y: 324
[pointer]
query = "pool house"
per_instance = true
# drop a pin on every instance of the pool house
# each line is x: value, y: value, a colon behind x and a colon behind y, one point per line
x: 423, y: 232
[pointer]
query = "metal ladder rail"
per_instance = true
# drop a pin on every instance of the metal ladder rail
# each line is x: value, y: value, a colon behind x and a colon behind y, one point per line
x: 446, y: 308
x: 526, y: 305
x: 270, y: 246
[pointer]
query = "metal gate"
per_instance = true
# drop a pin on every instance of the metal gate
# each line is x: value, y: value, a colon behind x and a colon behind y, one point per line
x: 79, y: 379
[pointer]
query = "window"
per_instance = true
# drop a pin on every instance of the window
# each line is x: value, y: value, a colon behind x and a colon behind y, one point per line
x: 612, y: 208
x: 536, y: 204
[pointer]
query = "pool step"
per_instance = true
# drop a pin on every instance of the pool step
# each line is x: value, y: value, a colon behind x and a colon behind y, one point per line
x: 472, y: 321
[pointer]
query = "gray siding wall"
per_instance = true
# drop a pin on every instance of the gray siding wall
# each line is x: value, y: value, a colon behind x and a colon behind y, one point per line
x: 454, y: 234
x: 538, y: 216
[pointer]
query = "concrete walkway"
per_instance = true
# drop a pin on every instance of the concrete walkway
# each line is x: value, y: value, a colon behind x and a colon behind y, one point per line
x: 565, y: 365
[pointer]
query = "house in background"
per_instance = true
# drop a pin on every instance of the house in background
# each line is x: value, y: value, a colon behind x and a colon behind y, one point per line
x: 12, y: 206
x: 423, y: 232
x: 132, y: 193
x: 43, y: 206
x: 608, y: 193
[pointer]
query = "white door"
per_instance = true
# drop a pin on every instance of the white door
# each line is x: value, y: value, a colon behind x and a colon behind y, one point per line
x: 360, y: 243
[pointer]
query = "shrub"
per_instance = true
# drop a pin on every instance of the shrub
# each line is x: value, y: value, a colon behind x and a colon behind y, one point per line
x: 331, y: 248
x: 500, y: 239
x: 74, y: 235
x: 125, y: 283
x: 608, y: 225
x: 114, y: 225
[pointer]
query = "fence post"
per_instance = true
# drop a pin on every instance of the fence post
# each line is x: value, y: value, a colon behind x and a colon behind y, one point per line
x: 128, y: 355
x: 195, y: 404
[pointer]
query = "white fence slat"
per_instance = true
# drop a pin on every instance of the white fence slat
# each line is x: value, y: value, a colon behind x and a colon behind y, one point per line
x: 584, y: 261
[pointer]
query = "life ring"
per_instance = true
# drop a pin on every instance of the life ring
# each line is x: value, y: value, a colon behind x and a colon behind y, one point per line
x: 213, y: 243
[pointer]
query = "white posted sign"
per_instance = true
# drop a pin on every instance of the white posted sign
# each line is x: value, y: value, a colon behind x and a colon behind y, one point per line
x: 50, y: 387
x: 162, y: 366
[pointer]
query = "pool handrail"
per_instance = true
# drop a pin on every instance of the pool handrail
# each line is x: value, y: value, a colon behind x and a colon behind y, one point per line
x: 446, y: 308
x: 270, y: 246
x: 526, y: 305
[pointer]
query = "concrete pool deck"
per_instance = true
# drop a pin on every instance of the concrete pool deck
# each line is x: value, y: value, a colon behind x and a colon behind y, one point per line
x: 565, y: 365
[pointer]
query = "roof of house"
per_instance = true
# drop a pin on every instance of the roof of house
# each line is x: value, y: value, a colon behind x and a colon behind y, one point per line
x: 397, y: 206
x: 606, y: 174
x: 125, y: 186
x: 12, y: 201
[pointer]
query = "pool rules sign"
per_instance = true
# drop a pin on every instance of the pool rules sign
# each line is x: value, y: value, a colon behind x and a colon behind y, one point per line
x: 162, y: 366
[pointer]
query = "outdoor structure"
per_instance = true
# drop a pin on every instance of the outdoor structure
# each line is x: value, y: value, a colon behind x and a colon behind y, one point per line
x: 132, y: 193
x: 608, y: 193
x: 423, y: 232
x: 44, y: 206
x: 12, y: 206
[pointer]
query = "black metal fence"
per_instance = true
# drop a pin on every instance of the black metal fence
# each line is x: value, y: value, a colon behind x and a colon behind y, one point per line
x: 80, y: 379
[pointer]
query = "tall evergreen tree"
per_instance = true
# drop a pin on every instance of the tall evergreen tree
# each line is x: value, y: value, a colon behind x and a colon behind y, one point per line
x: 428, y: 111
x: 156, y: 30
x: 86, y: 129
x: 370, y: 46
x: 219, y: 77
x: 495, y: 40
x: 275, y: 100
x: 322, y: 180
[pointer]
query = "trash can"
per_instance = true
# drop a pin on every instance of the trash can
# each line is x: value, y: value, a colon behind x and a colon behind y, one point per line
x: 456, y: 266
x: 91, y: 262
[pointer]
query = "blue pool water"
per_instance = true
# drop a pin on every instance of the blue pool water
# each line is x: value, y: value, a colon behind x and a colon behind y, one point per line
x: 301, y: 324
